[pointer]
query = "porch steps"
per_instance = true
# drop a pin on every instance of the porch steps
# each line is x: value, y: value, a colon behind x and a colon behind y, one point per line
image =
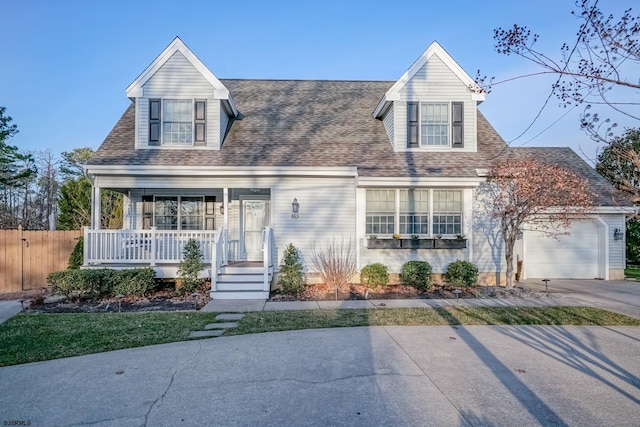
x: 241, y: 282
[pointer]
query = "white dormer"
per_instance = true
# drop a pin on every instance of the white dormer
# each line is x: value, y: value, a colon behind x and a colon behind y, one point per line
x: 180, y: 103
x: 432, y: 107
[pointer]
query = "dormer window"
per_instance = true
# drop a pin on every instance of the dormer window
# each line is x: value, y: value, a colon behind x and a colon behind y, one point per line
x: 173, y: 121
x: 434, y: 124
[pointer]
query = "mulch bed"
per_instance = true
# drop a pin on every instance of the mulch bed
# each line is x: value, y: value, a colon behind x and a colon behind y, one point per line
x: 163, y: 300
x: 166, y: 300
x: 324, y: 292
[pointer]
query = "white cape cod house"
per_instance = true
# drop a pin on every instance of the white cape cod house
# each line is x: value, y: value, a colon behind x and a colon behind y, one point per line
x: 248, y: 166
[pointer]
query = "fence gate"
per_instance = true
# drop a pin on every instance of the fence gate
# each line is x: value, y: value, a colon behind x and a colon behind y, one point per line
x: 27, y: 257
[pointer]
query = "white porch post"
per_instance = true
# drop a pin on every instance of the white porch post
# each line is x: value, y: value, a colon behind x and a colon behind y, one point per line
x: 225, y: 198
x: 95, y: 208
x: 153, y: 246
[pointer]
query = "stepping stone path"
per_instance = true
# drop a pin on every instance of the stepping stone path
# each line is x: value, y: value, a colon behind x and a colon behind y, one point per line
x: 220, y: 327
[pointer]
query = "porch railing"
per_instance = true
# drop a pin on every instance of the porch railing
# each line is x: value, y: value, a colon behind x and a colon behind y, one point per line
x: 142, y: 246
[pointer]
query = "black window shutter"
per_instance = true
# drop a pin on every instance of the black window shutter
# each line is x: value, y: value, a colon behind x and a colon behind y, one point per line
x: 154, y: 122
x: 456, y: 124
x: 200, y: 123
x: 412, y: 124
x: 209, y: 213
x: 147, y: 212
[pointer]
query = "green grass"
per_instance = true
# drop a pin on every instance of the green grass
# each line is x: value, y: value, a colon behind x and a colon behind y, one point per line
x: 270, y: 321
x: 35, y: 337
x: 632, y: 272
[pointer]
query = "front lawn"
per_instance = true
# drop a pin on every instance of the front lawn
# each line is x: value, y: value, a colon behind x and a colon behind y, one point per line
x: 35, y: 337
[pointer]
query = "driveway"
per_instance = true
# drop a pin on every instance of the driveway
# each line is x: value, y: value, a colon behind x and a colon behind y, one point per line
x: 444, y: 376
x: 620, y: 296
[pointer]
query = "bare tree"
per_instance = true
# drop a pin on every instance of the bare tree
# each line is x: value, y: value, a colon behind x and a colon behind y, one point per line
x: 528, y: 192
x: 605, y: 56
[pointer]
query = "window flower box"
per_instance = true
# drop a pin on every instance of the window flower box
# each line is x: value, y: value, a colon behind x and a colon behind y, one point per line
x: 450, y: 243
x: 383, y: 243
x: 417, y: 243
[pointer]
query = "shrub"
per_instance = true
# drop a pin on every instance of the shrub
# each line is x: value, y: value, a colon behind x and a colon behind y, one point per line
x: 417, y: 274
x: 79, y: 284
x: 95, y: 283
x: 76, y: 259
x: 190, y: 267
x: 336, y: 262
x: 461, y: 273
x: 290, y: 277
x: 137, y: 281
x: 374, y: 275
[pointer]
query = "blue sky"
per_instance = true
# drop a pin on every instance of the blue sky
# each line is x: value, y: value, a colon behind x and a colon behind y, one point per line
x: 66, y: 64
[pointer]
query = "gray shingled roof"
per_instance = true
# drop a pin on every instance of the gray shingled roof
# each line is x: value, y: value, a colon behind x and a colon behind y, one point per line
x: 327, y: 123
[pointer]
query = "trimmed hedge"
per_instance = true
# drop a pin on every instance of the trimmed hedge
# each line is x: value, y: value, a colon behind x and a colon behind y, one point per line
x: 374, y: 275
x: 103, y: 282
x: 461, y: 273
x: 417, y: 274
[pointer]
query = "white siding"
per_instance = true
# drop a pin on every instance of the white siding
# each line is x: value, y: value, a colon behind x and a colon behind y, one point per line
x: 327, y: 214
x: 488, y: 245
x: 617, y: 256
x: 177, y: 78
x: 388, y: 122
x: 435, y: 82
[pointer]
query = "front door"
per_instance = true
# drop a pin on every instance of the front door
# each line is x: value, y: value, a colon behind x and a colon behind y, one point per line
x: 255, y: 215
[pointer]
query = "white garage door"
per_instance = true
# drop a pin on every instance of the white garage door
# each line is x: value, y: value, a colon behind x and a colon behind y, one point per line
x: 573, y: 256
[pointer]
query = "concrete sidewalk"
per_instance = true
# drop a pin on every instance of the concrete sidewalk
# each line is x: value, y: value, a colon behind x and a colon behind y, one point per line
x: 243, y: 306
x: 413, y: 376
x: 8, y: 309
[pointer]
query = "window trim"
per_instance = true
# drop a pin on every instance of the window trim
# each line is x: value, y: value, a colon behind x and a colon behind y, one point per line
x: 179, y: 211
x: 414, y: 127
x: 430, y: 213
x: 158, y: 122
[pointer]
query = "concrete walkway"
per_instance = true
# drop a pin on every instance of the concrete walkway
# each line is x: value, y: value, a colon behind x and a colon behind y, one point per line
x: 618, y: 296
x: 409, y: 376
x: 8, y: 309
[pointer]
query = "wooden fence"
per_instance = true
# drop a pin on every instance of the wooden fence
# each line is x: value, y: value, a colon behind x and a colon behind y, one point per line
x: 27, y: 257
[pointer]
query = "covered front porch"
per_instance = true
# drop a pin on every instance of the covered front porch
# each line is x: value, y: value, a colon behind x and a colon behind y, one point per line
x: 232, y: 226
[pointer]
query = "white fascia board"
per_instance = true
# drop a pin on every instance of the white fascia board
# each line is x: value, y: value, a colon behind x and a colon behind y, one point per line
x: 383, y: 106
x: 225, y: 171
x: 418, y: 181
x: 627, y: 210
x: 478, y: 93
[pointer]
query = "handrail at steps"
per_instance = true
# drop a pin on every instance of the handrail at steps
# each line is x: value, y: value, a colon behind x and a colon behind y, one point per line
x: 266, y: 257
x: 218, y: 256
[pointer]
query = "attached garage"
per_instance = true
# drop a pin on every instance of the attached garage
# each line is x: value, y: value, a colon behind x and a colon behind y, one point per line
x: 579, y: 255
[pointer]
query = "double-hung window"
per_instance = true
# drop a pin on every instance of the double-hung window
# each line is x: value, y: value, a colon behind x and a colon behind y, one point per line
x: 381, y: 207
x: 177, y: 122
x: 414, y: 211
x: 447, y: 212
x: 179, y: 212
x: 435, y: 124
x: 406, y: 211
